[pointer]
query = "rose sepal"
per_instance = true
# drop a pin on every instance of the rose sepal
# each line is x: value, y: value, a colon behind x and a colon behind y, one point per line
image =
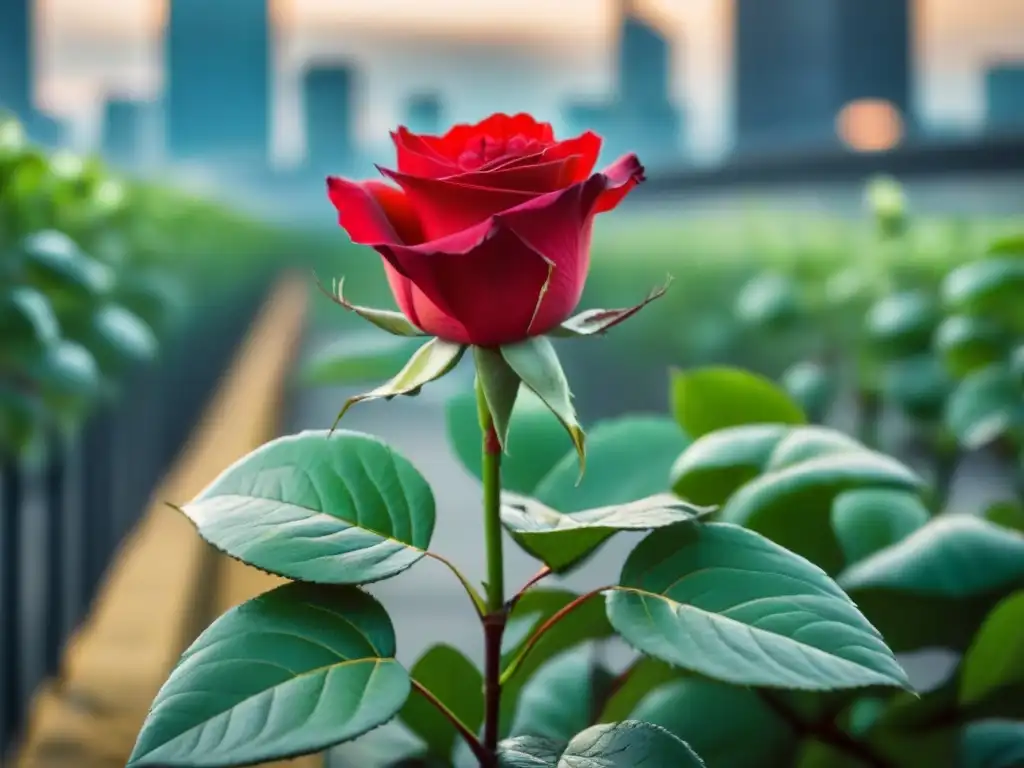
x: 536, y: 364
x: 595, y: 322
x: 429, y: 363
x: 388, y: 320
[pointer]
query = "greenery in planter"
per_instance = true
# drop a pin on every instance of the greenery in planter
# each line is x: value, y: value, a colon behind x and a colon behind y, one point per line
x: 96, y: 274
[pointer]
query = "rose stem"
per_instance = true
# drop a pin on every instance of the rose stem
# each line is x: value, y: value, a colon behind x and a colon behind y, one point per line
x: 494, y: 621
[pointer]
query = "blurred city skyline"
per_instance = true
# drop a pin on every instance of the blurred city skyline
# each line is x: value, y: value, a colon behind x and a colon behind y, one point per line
x: 541, y: 52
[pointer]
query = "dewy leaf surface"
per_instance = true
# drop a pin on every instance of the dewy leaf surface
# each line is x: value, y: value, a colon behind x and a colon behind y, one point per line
x: 339, y: 508
x: 292, y: 672
x: 733, y: 606
x: 560, y: 540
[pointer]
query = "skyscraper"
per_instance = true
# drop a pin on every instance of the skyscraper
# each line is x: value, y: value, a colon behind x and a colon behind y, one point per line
x: 1004, y: 97
x: 328, y: 94
x: 217, y: 100
x: 123, y: 128
x: 423, y: 113
x: 799, y: 62
x: 16, y: 57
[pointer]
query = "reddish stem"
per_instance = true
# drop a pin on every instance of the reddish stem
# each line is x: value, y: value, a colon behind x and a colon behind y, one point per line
x: 543, y: 573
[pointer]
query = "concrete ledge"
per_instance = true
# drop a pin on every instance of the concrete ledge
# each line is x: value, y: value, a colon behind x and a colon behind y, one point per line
x: 166, y: 584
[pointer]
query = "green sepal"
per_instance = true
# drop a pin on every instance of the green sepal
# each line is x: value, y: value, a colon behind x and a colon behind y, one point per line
x: 499, y: 385
x: 536, y: 363
x: 593, y: 322
x: 388, y: 320
x: 430, y: 362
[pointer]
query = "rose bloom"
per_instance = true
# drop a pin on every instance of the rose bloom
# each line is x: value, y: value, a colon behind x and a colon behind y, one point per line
x: 485, y: 231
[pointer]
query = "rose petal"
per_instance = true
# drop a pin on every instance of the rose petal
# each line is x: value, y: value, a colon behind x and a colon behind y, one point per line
x: 587, y: 145
x: 417, y: 157
x: 445, y: 207
x: 374, y: 212
x: 622, y: 176
x: 457, y: 276
x: 540, y: 178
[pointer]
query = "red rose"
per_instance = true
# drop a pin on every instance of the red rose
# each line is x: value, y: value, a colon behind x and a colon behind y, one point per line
x: 486, y: 233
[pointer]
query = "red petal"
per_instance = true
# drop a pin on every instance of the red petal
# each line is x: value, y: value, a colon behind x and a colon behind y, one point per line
x: 622, y: 176
x: 445, y: 207
x: 373, y: 212
x: 417, y: 157
x: 479, y: 287
x: 538, y: 179
x: 498, y: 126
x: 586, y: 145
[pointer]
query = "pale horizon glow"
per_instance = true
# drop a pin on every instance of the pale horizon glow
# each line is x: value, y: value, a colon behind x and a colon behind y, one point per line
x: 113, y: 46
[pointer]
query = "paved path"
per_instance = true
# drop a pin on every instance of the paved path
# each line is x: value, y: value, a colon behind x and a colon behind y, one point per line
x: 427, y: 604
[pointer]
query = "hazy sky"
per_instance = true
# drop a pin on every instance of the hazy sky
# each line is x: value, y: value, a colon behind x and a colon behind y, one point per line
x: 557, y: 46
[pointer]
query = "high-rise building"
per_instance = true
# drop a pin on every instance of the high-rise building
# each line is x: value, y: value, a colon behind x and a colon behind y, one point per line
x: 798, y: 63
x: 1004, y: 97
x: 423, y: 113
x: 641, y: 117
x: 16, y: 57
x: 328, y: 94
x: 123, y: 130
x: 218, y: 74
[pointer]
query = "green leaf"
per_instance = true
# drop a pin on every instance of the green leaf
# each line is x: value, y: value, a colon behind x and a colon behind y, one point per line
x: 357, y: 358
x: 629, y: 744
x: 989, y: 287
x: 934, y: 587
x: 985, y: 406
x: 713, y: 398
x: 793, y: 506
x: 629, y: 457
x: 918, y: 385
x: 291, y: 672
x: 645, y: 676
x: 457, y: 684
x: 57, y: 266
x: 902, y: 324
x: 811, y: 386
x: 770, y: 301
x: 716, y: 464
x: 1008, y: 514
x: 393, y: 322
x: 629, y: 460
x: 585, y: 623
x: 992, y: 744
x: 534, y: 437
x: 563, y: 697
x: 968, y: 343
x: 21, y: 419
x: 28, y: 325
x: 1008, y: 245
x: 116, y: 337
x: 733, y: 606
x: 729, y: 727
x: 537, y: 365
x: 530, y: 752
x: 995, y: 660
x: 561, y: 541
x: 500, y: 386
x: 429, y: 363
x: 804, y: 443
x: 68, y: 376
x: 598, y: 321
x: 339, y: 508
x: 869, y: 519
